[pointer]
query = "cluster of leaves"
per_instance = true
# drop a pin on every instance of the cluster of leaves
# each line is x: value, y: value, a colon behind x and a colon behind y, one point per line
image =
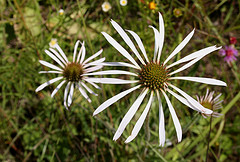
x: 36, y: 127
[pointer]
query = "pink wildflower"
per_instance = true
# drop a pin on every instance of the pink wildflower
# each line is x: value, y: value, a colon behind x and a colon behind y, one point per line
x: 230, y: 53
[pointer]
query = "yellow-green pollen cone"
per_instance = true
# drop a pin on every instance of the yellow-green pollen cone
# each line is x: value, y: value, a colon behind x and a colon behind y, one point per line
x: 153, y: 76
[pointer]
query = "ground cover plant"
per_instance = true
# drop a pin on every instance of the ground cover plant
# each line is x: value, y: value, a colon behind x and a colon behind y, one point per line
x: 37, y: 127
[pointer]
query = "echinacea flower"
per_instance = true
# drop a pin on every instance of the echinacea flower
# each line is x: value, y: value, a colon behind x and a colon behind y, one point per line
x: 61, y: 12
x: 153, y: 77
x: 230, y: 53
x: 211, y: 103
x: 106, y: 6
x: 71, y: 73
x: 53, y: 43
x: 123, y: 2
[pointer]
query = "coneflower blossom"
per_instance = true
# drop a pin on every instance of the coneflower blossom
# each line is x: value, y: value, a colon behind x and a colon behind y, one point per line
x: 71, y: 73
x: 230, y: 53
x: 211, y: 103
x: 152, y: 77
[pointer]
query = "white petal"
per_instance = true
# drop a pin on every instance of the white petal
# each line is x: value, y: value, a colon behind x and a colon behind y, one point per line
x: 120, y: 49
x: 157, y: 39
x: 114, y: 99
x: 54, y: 58
x: 139, y: 42
x: 108, y: 72
x: 119, y: 64
x: 161, y: 36
x: 128, y: 41
x: 50, y: 65
x: 48, y: 83
x: 66, y: 94
x: 95, y: 68
x: 82, y: 91
x: 80, y: 52
x: 111, y: 81
x: 93, y: 56
x: 181, y: 99
x: 194, y: 55
x: 161, y: 122
x: 62, y: 53
x: 97, y: 62
x: 57, y: 88
x: 190, y: 63
x: 83, y: 54
x: 58, y: 56
x: 129, y: 115
x: 70, y: 95
x: 55, y: 72
x: 174, y: 117
x: 93, y: 84
x: 180, y: 46
x: 202, y: 80
x: 88, y: 89
x: 140, y: 121
x: 75, y: 50
x: 192, y: 101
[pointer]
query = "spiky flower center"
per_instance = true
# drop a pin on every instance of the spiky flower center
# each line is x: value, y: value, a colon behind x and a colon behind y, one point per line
x: 153, y: 76
x: 73, y: 72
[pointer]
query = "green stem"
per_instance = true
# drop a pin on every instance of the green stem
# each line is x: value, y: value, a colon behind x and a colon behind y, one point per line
x: 147, y: 135
x: 209, y: 137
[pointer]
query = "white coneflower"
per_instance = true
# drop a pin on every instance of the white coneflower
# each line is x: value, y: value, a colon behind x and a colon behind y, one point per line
x: 71, y: 73
x: 106, y: 6
x: 61, y: 12
x: 211, y: 103
x: 53, y: 43
x: 153, y: 77
x: 123, y: 2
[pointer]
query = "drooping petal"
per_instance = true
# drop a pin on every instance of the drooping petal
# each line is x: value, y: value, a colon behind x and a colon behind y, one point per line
x: 91, y: 69
x: 88, y: 89
x: 127, y: 40
x: 119, y: 64
x: 182, y: 99
x: 48, y: 83
x: 54, y: 58
x: 139, y: 42
x: 161, y: 122
x: 202, y: 80
x: 129, y: 115
x: 180, y: 47
x: 82, y: 91
x: 108, y: 72
x: 57, y: 88
x: 75, y: 50
x: 97, y: 62
x: 174, y: 117
x: 161, y: 36
x: 140, y: 121
x: 120, y: 49
x: 190, y: 63
x: 157, y: 39
x: 58, y: 56
x: 55, y: 72
x: 110, y: 80
x: 66, y: 94
x: 50, y: 65
x: 194, y: 55
x: 61, y: 52
x: 93, y: 56
x: 114, y: 99
x: 70, y: 95
x: 93, y: 84
x: 192, y: 101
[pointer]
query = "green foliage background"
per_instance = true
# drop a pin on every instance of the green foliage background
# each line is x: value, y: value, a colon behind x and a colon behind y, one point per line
x: 36, y: 127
